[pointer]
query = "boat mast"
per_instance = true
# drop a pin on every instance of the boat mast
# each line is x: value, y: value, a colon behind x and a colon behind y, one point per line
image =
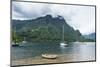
x: 15, y: 34
x: 63, y: 34
x: 24, y: 39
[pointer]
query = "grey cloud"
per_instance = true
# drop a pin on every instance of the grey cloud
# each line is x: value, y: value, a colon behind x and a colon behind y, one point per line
x: 76, y: 16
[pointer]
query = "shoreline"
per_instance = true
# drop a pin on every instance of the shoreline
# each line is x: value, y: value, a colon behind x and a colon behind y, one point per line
x: 62, y: 58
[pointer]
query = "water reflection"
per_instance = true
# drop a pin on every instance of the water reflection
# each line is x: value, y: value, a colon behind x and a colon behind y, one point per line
x: 36, y: 49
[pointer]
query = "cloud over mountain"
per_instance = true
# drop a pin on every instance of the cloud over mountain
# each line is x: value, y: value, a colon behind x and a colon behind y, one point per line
x: 79, y: 17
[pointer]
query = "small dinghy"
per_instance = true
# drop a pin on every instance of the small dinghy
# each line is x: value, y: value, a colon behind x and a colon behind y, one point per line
x: 49, y: 56
x: 15, y: 44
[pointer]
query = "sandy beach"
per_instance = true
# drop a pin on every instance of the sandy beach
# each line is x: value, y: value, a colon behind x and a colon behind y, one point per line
x: 61, y: 59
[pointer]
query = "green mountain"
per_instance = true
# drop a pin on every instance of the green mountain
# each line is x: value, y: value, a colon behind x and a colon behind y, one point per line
x: 45, y: 28
x: 91, y: 36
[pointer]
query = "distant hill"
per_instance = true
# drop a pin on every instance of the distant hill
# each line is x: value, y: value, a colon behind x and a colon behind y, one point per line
x: 90, y: 36
x: 45, y: 28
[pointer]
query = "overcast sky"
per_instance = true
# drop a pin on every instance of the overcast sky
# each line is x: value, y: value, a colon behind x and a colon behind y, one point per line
x: 79, y: 17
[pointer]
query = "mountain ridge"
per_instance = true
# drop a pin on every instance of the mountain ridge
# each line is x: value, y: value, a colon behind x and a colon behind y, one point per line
x: 90, y: 36
x: 46, y: 28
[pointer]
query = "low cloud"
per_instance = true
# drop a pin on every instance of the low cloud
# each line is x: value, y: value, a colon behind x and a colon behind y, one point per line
x: 79, y: 17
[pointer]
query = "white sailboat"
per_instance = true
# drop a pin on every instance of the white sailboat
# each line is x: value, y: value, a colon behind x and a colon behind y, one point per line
x: 24, y: 41
x: 63, y: 42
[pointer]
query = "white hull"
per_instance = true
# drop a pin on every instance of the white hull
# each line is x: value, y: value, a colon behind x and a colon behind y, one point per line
x: 24, y: 41
x: 63, y: 44
x: 49, y: 56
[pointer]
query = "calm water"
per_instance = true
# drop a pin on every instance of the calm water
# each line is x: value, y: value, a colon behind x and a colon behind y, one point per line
x: 29, y: 50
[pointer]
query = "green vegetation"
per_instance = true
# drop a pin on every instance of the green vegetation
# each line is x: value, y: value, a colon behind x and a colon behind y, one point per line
x: 16, y: 37
x: 45, y: 29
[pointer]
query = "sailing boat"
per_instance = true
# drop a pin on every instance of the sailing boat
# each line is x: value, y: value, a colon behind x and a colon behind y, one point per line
x: 24, y: 41
x: 63, y: 42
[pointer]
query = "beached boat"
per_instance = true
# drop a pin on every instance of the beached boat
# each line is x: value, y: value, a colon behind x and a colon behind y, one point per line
x: 49, y: 56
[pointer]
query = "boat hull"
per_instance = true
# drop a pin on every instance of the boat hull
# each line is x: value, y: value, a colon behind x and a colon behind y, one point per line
x: 49, y: 56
